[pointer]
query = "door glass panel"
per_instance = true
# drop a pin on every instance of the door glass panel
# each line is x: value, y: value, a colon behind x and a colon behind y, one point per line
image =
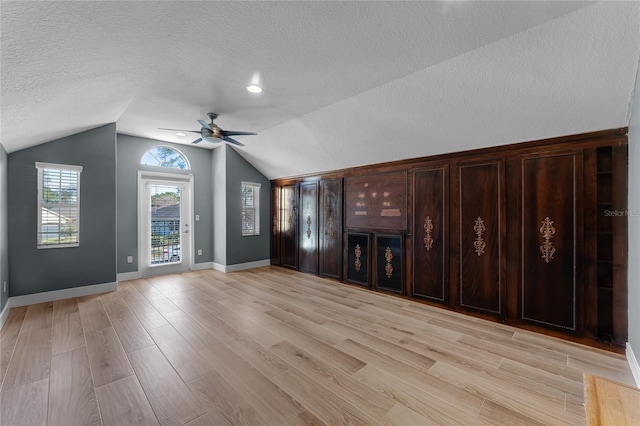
x: 165, y: 224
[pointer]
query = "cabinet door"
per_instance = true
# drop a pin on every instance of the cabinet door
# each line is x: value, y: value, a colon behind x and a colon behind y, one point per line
x: 289, y: 226
x: 389, y: 263
x: 430, y: 266
x: 551, y: 197
x: 358, y: 259
x: 331, y: 228
x: 480, y: 237
x: 308, y: 239
x: 275, y: 226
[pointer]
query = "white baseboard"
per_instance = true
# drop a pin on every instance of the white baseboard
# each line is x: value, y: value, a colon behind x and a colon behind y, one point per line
x: 50, y: 296
x: 126, y: 276
x: 633, y: 364
x: 201, y: 266
x: 241, y: 266
x: 206, y: 265
x: 4, y: 314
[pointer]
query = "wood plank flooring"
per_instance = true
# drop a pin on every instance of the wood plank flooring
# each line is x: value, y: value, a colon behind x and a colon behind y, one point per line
x: 270, y: 346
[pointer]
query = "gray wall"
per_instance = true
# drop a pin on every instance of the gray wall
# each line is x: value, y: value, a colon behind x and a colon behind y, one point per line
x: 219, y: 178
x: 108, y: 191
x: 250, y: 248
x: 634, y: 224
x: 4, y: 240
x: 130, y: 152
x: 94, y: 261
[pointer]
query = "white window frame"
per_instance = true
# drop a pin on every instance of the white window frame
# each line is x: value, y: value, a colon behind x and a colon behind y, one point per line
x: 256, y: 208
x: 60, y: 167
x: 184, y: 157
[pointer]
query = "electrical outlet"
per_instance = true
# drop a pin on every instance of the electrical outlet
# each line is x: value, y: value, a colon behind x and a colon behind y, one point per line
x: 129, y: 259
x: 197, y: 217
x: 199, y: 252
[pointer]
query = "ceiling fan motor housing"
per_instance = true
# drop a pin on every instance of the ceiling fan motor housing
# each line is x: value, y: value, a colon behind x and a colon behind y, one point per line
x: 216, y: 134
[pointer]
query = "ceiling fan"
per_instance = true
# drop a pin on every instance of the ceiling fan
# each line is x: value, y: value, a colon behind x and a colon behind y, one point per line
x: 210, y: 132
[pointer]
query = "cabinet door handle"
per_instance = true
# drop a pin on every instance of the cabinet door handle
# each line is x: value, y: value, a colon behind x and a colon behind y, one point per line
x: 428, y: 229
x: 548, y: 231
x: 479, y: 243
x: 358, y: 252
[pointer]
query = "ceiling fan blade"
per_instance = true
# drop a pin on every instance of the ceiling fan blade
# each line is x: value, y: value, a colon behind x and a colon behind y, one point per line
x: 197, y: 140
x: 205, y: 124
x: 180, y: 130
x: 233, y: 141
x: 235, y: 133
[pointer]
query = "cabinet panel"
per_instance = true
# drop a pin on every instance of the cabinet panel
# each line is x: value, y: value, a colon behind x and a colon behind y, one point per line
x: 550, y: 239
x: 389, y: 263
x: 358, y: 259
x: 480, y: 231
x: 377, y: 201
x: 308, y: 238
x: 331, y: 228
x: 430, y: 260
x: 289, y: 226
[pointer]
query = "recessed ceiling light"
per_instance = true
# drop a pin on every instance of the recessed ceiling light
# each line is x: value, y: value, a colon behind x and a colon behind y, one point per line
x: 255, y: 86
x: 182, y: 135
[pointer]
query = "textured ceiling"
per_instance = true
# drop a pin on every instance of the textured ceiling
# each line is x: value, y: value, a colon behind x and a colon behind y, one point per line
x: 345, y: 83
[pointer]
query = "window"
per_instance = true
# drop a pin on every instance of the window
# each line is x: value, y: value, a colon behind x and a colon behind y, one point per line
x: 58, y: 205
x: 250, y: 208
x: 164, y: 156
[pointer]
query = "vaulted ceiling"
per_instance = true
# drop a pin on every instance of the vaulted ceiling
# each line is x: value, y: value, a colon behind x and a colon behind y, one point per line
x: 345, y: 83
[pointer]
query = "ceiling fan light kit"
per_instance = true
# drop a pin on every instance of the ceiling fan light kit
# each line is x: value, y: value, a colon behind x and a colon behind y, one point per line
x: 211, y: 132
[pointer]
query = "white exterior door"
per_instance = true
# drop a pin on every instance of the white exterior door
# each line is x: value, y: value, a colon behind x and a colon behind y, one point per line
x: 164, y: 224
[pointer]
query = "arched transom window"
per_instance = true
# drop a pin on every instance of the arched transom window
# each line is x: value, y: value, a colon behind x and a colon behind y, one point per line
x: 164, y: 156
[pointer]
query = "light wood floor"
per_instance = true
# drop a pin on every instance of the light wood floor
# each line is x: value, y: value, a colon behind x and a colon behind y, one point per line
x: 271, y: 346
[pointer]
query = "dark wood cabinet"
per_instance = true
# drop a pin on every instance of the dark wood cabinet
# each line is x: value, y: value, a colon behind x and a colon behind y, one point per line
x: 478, y: 237
x: 308, y: 236
x: 532, y: 234
x: 331, y: 228
x: 431, y: 232
x: 289, y: 226
x: 551, y: 258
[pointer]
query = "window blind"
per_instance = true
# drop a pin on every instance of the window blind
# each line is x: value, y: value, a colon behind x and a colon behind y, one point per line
x: 58, y: 205
x: 250, y: 208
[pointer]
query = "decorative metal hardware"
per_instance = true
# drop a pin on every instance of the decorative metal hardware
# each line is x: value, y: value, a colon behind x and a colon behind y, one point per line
x: 331, y: 227
x: 428, y: 228
x: 275, y: 225
x: 309, y: 227
x: 388, y: 256
x: 548, y: 231
x: 358, y: 253
x: 479, y: 243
